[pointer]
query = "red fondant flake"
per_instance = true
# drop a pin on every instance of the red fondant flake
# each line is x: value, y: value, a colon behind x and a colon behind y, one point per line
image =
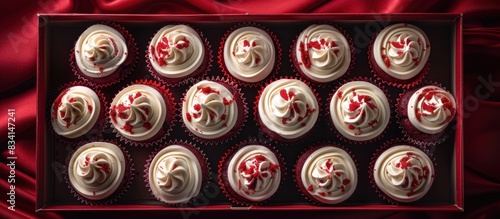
x: 310, y: 188
x: 346, y: 181
x: 58, y: 103
x: 62, y: 113
x: 197, y: 107
x: 208, y: 90
x: 387, y: 61
x: 283, y: 94
x: 113, y: 114
x: 339, y: 94
x: 128, y: 128
x: 87, y: 160
x: 304, y: 55
x: 161, y: 52
x: 429, y: 107
x: 184, y: 43
x: 399, y: 45
x: 105, y: 168
x: 226, y: 101
x: 147, y: 125
x: 223, y: 117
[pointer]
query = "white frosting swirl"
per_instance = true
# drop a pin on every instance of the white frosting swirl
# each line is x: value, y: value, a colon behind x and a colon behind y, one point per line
x: 288, y: 107
x: 100, y: 50
x: 249, y: 54
x: 96, y: 170
x: 75, y: 111
x: 323, y: 53
x: 430, y: 109
x: 209, y: 109
x: 176, y: 51
x: 175, y: 175
x: 329, y: 174
x: 401, y: 50
x: 138, y: 112
x: 404, y: 173
x: 360, y: 111
x: 254, y: 173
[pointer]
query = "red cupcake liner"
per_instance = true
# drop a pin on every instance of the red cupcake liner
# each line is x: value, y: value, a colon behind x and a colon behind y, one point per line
x: 389, y: 80
x: 379, y: 151
x: 98, y: 128
x: 273, y: 135
x: 296, y: 66
x: 201, y: 72
x: 301, y: 159
x: 124, y: 184
x: 277, y: 60
x: 411, y: 132
x: 167, y: 126
x: 241, y: 119
x: 200, y: 155
x: 340, y: 135
x: 122, y: 72
x: 222, y: 172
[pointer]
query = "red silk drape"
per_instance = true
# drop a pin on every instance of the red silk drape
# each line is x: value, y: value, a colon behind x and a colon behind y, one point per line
x: 481, y: 64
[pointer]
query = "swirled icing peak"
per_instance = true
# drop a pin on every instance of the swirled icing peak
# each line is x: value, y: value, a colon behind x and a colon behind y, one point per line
x: 323, y: 53
x: 176, y: 51
x: 209, y: 109
x: 329, y: 175
x: 360, y: 111
x: 96, y: 170
x: 254, y: 173
x: 249, y: 54
x: 100, y: 50
x: 404, y: 173
x: 138, y: 112
x: 430, y: 109
x: 75, y: 111
x: 401, y: 50
x: 288, y: 107
x: 175, y: 175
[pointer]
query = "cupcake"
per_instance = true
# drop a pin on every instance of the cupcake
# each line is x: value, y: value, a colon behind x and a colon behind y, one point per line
x: 400, y: 54
x: 403, y: 173
x: 287, y: 109
x: 99, y: 172
x: 322, y: 53
x: 176, y: 173
x: 177, y: 52
x: 249, y: 54
x: 326, y: 174
x: 426, y: 112
x: 104, y: 54
x: 77, y: 111
x: 142, y: 113
x: 360, y: 111
x: 213, y: 110
x: 250, y: 174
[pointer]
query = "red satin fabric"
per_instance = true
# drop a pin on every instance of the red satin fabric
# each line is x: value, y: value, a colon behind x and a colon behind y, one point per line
x: 481, y: 60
